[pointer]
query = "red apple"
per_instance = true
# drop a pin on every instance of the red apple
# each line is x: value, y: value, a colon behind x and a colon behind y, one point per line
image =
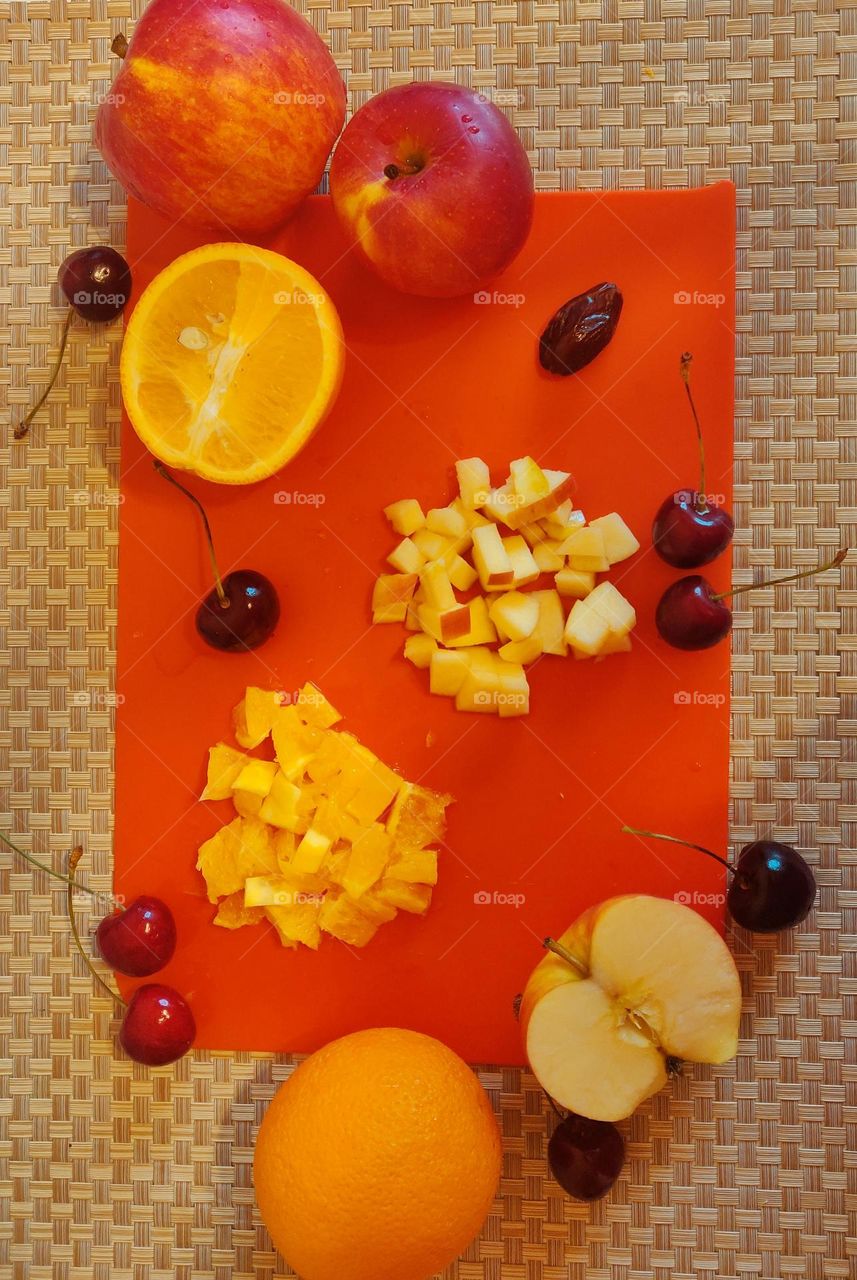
x: 223, y: 112
x: 433, y: 187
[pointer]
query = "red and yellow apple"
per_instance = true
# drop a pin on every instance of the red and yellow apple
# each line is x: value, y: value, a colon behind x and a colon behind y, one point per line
x: 223, y: 112
x: 634, y: 981
x: 433, y: 188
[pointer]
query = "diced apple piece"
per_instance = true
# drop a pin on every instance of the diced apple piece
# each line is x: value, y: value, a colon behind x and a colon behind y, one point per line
x: 561, y: 486
x: 434, y: 546
x: 224, y: 766
x: 449, y: 669
x: 471, y: 518
x: 461, y: 574
x: 490, y: 558
x: 342, y: 918
x: 256, y: 777
x: 482, y: 630
x: 447, y: 521
x: 615, y: 644
x: 406, y: 516
x: 390, y: 596
x: 436, y: 586
x: 403, y: 895
x: 586, y: 630
x: 416, y: 866
x: 533, y: 534
x: 513, y: 696
x: 503, y: 505
x: 445, y: 627
x: 311, y: 851
x: 522, y: 651
x: 560, y: 523
x: 368, y: 858
x: 585, y: 550
x: 524, y: 567
x: 407, y: 557
x: 611, y: 605
x: 515, y: 615
x: 529, y: 481
x: 619, y: 541
x: 551, y: 623
x: 474, y: 481
x: 419, y: 649
x: 574, y: 583
x: 547, y: 556
x: 280, y: 806
x: 480, y: 687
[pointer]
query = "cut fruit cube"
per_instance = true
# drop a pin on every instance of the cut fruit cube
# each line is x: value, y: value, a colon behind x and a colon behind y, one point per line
x: 461, y: 574
x: 224, y: 766
x: 368, y: 858
x: 521, y: 651
x: 232, y: 914
x: 513, y: 696
x: 375, y: 908
x: 560, y: 523
x: 619, y: 541
x: 269, y: 891
x: 377, y: 788
x: 585, y: 550
x: 292, y: 747
x: 406, y: 516
x: 575, y: 583
x: 611, y: 605
x: 480, y: 687
x: 615, y: 644
x: 529, y: 481
x: 247, y: 804
x: 515, y: 615
x: 524, y: 566
x: 436, y: 586
x: 256, y: 778
x: 547, y: 556
x: 418, y: 817
x: 419, y: 649
x: 280, y: 806
x: 482, y: 630
x: 401, y: 894
x: 503, y: 505
x: 533, y: 534
x: 586, y: 630
x: 416, y: 866
x: 390, y: 596
x: 446, y: 521
x: 343, y: 919
x: 312, y: 850
x: 407, y: 557
x: 444, y: 627
x: 297, y: 923
x: 473, y: 519
x: 474, y: 481
x: 449, y: 670
x: 560, y: 486
x: 551, y: 624
x: 490, y: 558
x: 434, y: 546
x: 254, y: 716
x: 327, y: 761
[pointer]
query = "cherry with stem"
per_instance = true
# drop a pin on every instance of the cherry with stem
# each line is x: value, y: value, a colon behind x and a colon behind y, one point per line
x: 689, y: 528
x: 243, y: 609
x: 692, y: 615
x: 771, y: 887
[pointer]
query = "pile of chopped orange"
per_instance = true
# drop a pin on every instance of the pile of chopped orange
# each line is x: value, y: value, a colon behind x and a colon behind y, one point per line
x: 326, y: 838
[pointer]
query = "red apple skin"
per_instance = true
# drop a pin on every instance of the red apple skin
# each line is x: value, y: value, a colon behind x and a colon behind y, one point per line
x: 223, y: 113
x: 462, y: 217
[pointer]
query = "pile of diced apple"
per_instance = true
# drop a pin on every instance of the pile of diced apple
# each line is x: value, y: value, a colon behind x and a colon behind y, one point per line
x: 464, y: 579
x: 327, y: 838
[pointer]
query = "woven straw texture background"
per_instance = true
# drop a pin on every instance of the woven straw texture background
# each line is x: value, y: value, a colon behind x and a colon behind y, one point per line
x: 745, y: 1171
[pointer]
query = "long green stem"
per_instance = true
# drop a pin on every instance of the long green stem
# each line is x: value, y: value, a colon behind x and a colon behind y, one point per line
x: 24, y: 425
x: 790, y: 577
x: 73, y: 859
x: 221, y: 594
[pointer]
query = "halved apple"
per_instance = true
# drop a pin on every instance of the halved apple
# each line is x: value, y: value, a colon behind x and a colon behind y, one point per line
x: 638, y: 980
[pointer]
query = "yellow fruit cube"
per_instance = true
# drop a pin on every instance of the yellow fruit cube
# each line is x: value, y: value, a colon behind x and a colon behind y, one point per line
x: 419, y: 649
x: 433, y: 546
x: 417, y: 866
x: 217, y: 859
x: 343, y: 919
x: 256, y: 778
x: 232, y: 913
x: 246, y: 804
x: 280, y: 806
x: 524, y: 566
x: 406, y: 516
x: 283, y: 843
x: 521, y: 651
x: 312, y: 851
x: 436, y: 586
x: 478, y: 692
x: 575, y: 583
x: 402, y: 895
x: 547, y: 556
x: 368, y: 857
x: 376, y: 792
x: 447, y: 521
x: 224, y: 766
x: 551, y: 623
x: 515, y: 615
x: 254, y: 716
x: 585, y: 550
x: 490, y: 558
x: 328, y: 759
x: 503, y: 505
x: 474, y: 481
x: 529, y: 482
x: 513, y: 694
x: 314, y: 708
x: 390, y: 596
x: 615, y: 644
x: 448, y: 671
x: 461, y: 574
x: 406, y: 557
x: 482, y: 630
x: 418, y: 817
x: 297, y: 923
x: 586, y: 630
x: 375, y: 908
x: 560, y: 485
x: 619, y: 541
x: 268, y: 891
x: 611, y: 605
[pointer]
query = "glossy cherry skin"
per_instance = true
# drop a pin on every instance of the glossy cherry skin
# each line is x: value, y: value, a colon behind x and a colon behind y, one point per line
x: 686, y: 536
x: 773, y: 887
x: 250, y: 617
x: 586, y: 1156
x: 96, y: 281
x: 158, y: 1026
x: 689, y: 616
x: 139, y: 940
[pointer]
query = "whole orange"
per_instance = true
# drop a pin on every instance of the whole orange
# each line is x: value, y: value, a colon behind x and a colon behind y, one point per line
x: 378, y: 1159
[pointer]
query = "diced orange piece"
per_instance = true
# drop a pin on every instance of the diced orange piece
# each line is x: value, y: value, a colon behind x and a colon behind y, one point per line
x: 417, y: 817
x: 415, y: 898
x: 342, y: 918
x: 298, y: 923
x: 232, y: 914
x: 417, y: 866
x: 224, y: 766
x: 368, y: 857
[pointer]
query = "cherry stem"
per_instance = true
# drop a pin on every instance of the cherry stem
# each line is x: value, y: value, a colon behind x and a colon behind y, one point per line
x: 221, y: 594
x: 40, y: 866
x: 24, y: 425
x: 688, y: 844
x: 684, y: 368
x: 558, y: 949
x: 791, y: 577
x: 73, y: 859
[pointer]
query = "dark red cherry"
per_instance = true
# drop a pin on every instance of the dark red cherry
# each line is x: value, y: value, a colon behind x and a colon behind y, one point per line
x: 691, y: 616
x: 586, y: 1156
x: 139, y: 940
x: 244, y: 617
x: 97, y: 282
x: 158, y: 1026
x: 688, y: 532
x: 773, y: 887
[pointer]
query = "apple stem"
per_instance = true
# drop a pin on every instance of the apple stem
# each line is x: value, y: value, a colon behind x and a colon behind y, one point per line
x: 221, y: 594
x: 393, y: 171
x: 791, y: 577
x: 558, y: 949
x: 40, y: 866
x: 688, y: 844
x: 684, y: 368
x: 73, y: 859
x: 24, y: 425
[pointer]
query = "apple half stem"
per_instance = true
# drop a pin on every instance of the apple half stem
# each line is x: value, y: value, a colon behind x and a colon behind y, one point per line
x: 550, y: 944
x: 218, y: 582
x: 24, y: 425
x: 701, y: 503
x: 73, y: 859
x: 790, y: 577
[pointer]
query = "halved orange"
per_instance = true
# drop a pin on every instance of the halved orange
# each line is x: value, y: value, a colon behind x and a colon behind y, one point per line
x: 232, y: 357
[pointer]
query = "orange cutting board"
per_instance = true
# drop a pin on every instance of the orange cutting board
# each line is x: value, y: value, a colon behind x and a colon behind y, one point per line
x: 534, y: 836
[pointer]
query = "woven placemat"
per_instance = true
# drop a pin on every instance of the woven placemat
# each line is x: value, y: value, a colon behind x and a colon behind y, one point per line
x: 740, y: 1171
